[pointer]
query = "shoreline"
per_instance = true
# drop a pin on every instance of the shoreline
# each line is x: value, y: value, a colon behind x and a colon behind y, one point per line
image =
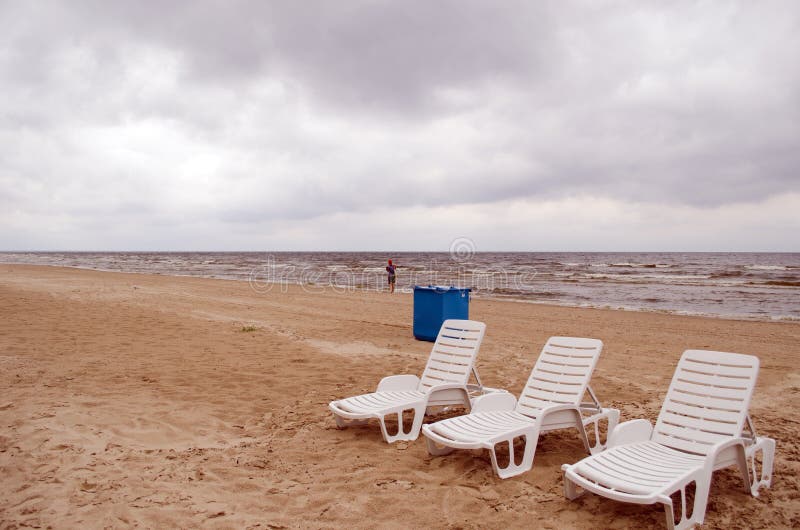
x: 164, y: 401
x: 405, y: 291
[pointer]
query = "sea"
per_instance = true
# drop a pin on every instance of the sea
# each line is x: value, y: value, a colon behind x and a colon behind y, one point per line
x: 757, y: 286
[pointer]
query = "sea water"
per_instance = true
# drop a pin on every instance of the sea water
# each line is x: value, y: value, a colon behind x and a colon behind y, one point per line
x: 735, y: 285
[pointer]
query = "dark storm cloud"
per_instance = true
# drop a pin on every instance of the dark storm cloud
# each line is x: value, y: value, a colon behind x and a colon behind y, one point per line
x: 365, y: 53
x: 395, y: 56
x: 682, y: 103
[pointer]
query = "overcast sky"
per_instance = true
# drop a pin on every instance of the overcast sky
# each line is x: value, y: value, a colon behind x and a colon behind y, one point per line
x: 369, y: 125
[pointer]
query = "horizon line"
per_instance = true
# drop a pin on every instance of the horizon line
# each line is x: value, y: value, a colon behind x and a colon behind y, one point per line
x: 383, y: 251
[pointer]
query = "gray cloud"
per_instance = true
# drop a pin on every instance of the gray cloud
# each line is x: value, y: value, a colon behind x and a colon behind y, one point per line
x: 247, y: 112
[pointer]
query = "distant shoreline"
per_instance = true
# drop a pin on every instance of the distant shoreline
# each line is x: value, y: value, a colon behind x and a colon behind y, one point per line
x: 407, y: 291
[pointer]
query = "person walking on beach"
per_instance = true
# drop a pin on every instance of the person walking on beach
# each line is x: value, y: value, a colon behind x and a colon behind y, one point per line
x: 391, y: 270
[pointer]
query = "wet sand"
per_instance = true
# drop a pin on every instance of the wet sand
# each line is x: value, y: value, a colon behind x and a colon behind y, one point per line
x: 153, y: 401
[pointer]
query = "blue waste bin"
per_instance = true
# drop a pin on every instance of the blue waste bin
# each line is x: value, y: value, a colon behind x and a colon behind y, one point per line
x: 433, y: 305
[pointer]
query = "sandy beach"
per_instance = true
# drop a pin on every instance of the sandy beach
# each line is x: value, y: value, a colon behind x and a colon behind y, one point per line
x: 152, y: 401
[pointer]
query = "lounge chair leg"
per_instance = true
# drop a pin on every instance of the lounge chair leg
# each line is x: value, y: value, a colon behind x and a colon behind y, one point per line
x: 612, y: 415
x: 342, y: 423
x: 512, y: 469
x: 756, y: 480
x: 670, y: 514
x: 391, y: 438
x: 685, y: 523
x: 701, y: 488
x: 571, y: 490
x: 435, y: 450
x: 744, y: 469
x: 402, y: 434
x: 416, y: 424
x: 582, y: 432
x: 503, y: 472
x: 385, y: 434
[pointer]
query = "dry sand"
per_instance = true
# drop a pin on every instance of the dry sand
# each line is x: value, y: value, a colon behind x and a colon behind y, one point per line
x: 136, y: 400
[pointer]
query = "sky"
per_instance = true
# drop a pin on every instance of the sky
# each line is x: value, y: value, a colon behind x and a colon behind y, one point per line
x: 377, y: 125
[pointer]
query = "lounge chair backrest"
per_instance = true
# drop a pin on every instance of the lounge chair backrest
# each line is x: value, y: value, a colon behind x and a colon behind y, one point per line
x: 707, y: 401
x: 561, y: 374
x: 453, y: 353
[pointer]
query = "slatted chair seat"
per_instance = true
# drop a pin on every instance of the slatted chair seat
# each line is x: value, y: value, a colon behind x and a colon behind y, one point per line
x: 379, y: 401
x: 700, y: 429
x: 443, y: 383
x: 470, y: 431
x: 552, y: 399
x: 639, y: 469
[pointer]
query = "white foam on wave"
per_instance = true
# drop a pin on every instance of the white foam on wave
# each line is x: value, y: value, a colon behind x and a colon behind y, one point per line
x: 642, y: 265
x: 766, y: 267
x: 641, y: 278
x: 786, y: 318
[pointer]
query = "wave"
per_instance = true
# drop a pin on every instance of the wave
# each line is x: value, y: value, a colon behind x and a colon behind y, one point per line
x: 766, y: 267
x: 487, y: 272
x: 786, y: 318
x: 509, y: 291
x: 782, y: 283
x: 727, y: 274
x: 642, y: 265
x: 623, y: 264
x: 646, y: 278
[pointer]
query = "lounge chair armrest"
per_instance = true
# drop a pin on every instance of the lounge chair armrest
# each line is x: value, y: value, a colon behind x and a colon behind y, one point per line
x: 398, y: 383
x: 724, y: 444
x: 557, y: 408
x: 495, y: 401
x: 448, y: 394
x: 723, y: 450
x: 631, y: 431
x: 447, y: 386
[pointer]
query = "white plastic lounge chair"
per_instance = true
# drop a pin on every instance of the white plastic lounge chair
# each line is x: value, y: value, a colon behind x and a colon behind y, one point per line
x: 699, y: 430
x: 552, y: 399
x: 443, y: 383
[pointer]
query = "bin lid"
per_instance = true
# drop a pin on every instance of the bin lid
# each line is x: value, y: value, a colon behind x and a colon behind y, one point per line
x: 440, y: 288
